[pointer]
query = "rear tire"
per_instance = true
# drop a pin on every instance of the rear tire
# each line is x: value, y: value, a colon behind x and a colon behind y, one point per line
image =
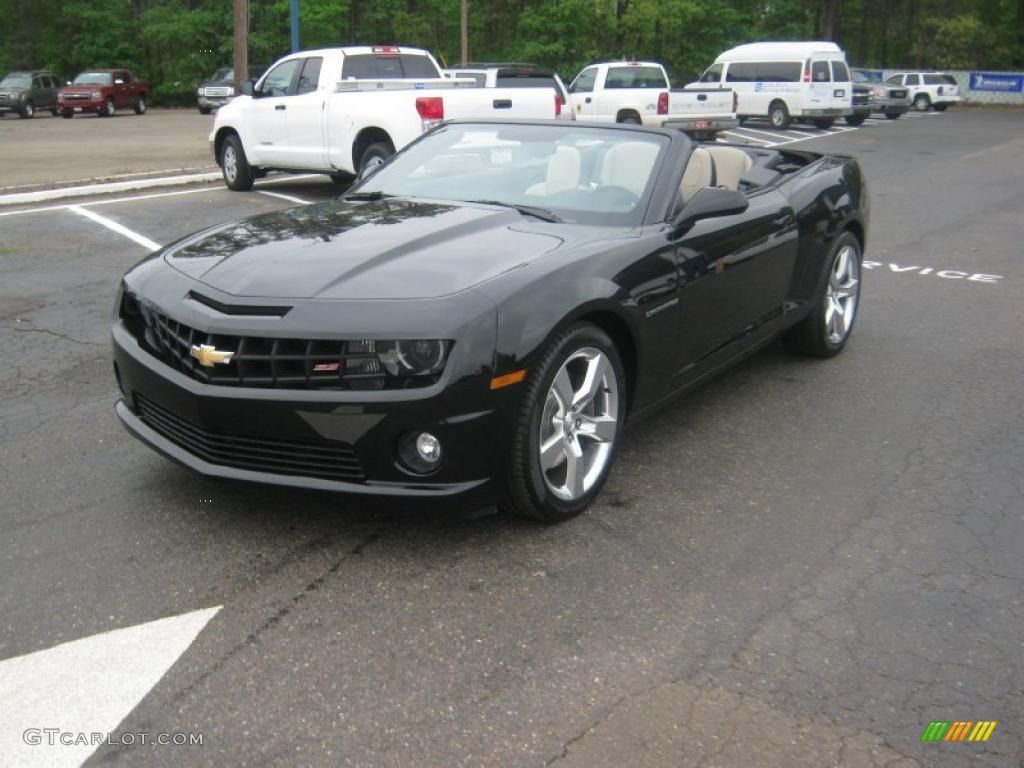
x: 140, y: 105
x: 629, y: 118
x: 824, y: 123
x: 67, y: 115
x: 579, y: 442
x: 205, y: 110
x: 922, y: 102
x: 826, y: 329
x: 237, y: 172
x: 893, y: 115
x: 856, y: 120
x: 376, y: 153
x: 778, y: 115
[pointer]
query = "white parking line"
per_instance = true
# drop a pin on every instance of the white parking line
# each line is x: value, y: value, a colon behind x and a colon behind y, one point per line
x: 112, y: 225
x: 748, y: 138
x: 291, y: 198
x: 766, y: 133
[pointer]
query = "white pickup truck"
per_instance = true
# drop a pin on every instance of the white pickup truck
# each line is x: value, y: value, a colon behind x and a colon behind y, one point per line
x: 337, y: 110
x: 639, y: 92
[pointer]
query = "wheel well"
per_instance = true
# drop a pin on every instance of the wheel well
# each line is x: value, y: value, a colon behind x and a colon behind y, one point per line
x: 624, y: 113
x: 855, y: 229
x: 219, y: 139
x: 366, y: 137
x: 778, y: 101
x: 620, y: 334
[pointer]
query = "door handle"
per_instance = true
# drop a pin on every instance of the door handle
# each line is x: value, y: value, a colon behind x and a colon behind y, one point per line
x: 281, y: 107
x: 783, y: 220
x: 503, y: 103
x: 702, y: 97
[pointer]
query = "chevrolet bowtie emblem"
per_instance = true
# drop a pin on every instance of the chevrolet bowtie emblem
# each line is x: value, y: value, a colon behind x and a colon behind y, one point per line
x: 208, y: 356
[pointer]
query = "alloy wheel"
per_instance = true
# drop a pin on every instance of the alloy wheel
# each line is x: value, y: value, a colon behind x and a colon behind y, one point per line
x: 841, y: 295
x: 579, y: 424
x: 230, y: 161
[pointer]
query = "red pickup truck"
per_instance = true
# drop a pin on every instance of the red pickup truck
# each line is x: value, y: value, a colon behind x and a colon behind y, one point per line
x: 103, y: 91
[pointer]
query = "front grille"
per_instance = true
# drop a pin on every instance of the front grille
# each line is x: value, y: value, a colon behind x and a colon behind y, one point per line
x: 218, y: 92
x: 331, y: 461
x: 76, y: 97
x: 264, y: 362
x: 897, y: 94
x: 860, y: 98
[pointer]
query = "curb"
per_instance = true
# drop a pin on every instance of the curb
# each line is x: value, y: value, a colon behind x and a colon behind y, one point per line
x: 43, y: 195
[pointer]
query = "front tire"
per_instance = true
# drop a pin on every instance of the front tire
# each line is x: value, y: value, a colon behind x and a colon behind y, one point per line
x: 344, y: 179
x: 939, y: 107
x: 568, y: 426
x: 28, y: 111
x: 237, y: 172
x: 893, y: 115
x: 856, y: 120
x: 205, y: 110
x: 108, y: 110
x: 140, y: 105
x: 67, y: 115
x: 824, y: 124
x: 827, y: 328
x: 778, y: 115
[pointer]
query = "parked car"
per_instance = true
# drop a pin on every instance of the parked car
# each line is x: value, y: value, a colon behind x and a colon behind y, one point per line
x: 638, y: 92
x: 871, y: 94
x: 103, y: 91
x: 488, y: 75
x: 784, y: 81
x: 339, y: 110
x: 220, y: 89
x: 24, y: 92
x: 480, y: 317
x: 928, y: 90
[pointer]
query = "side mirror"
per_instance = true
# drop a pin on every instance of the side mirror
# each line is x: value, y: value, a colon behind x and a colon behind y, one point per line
x: 710, y: 202
x: 247, y: 87
x: 67, y: 83
x: 118, y: 81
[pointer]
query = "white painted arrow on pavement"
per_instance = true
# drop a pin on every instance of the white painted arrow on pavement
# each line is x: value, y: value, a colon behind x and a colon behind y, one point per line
x: 85, y: 686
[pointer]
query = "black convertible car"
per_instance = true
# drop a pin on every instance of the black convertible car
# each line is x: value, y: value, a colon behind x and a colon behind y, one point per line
x: 479, y: 316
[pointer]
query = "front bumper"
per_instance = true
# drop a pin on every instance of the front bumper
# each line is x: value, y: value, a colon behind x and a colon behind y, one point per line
x: 837, y: 112
x: 81, y: 105
x: 208, y: 102
x: 263, y: 435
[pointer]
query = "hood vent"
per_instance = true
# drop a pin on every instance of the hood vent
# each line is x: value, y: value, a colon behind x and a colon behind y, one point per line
x: 249, y: 310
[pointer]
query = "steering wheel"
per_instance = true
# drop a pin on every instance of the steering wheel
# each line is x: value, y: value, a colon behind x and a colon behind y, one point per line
x: 615, y: 198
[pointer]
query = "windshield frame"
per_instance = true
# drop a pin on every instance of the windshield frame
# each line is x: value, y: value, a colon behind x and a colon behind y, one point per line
x: 639, y: 215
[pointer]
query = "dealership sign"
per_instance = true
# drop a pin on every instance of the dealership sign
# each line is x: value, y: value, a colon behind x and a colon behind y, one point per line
x: 985, y: 81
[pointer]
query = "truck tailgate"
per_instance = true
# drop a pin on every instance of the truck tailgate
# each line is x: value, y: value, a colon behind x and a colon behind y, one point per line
x: 700, y: 102
x: 532, y: 103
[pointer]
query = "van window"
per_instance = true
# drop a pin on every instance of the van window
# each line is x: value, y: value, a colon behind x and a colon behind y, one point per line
x: 584, y: 82
x: 840, y: 74
x: 778, y: 71
x: 819, y: 72
x: 635, y: 77
x: 713, y: 74
x: 740, y: 72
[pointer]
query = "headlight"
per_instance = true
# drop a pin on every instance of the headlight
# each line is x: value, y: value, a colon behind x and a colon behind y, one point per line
x: 879, y: 92
x: 231, y: 91
x: 95, y: 95
x: 418, y: 357
x: 200, y: 91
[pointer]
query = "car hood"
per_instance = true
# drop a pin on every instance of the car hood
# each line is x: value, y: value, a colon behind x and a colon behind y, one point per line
x: 217, y: 82
x: 82, y: 88
x: 386, y: 249
x: 14, y: 89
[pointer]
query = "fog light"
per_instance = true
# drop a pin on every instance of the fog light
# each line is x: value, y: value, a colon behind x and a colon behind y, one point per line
x: 420, y: 451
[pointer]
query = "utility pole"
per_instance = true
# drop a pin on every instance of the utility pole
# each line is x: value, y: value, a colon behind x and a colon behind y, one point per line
x: 464, y: 27
x: 295, y: 26
x: 241, y: 61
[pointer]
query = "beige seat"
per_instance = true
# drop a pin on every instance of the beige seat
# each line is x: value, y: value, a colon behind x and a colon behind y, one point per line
x: 699, y: 173
x: 730, y: 165
x: 629, y: 165
x: 563, y: 173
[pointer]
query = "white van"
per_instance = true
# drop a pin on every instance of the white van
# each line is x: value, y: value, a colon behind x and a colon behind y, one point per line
x: 786, y: 81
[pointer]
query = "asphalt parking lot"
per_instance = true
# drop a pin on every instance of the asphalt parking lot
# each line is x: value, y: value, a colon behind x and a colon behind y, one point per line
x: 803, y: 563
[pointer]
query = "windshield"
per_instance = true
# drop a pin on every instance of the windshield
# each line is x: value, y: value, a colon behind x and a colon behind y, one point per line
x: 859, y: 77
x: 580, y: 174
x: 223, y: 75
x: 93, y: 78
x: 16, y: 80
